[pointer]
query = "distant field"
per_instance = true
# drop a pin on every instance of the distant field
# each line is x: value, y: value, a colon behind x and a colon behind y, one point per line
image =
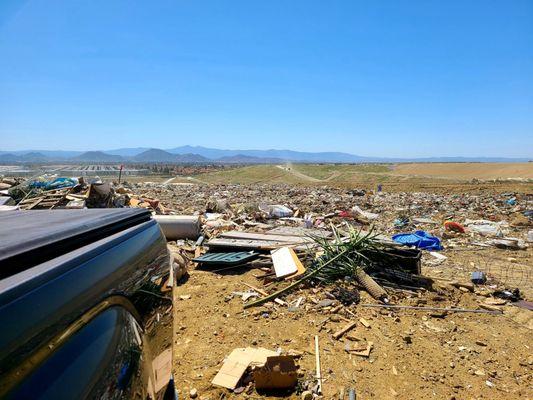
x: 250, y: 175
x: 467, y: 170
x: 334, y: 171
x: 400, y: 177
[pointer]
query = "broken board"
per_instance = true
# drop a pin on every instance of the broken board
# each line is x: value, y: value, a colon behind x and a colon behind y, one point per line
x: 298, y: 231
x: 162, y: 367
x: 299, y: 239
x: 285, y: 262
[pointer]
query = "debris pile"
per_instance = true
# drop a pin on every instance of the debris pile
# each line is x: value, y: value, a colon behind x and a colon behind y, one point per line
x: 324, y: 267
x: 293, y: 283
x: 48, y: 192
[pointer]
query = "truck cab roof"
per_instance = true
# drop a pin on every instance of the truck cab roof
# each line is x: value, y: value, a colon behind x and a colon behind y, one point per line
x: 28, y: 238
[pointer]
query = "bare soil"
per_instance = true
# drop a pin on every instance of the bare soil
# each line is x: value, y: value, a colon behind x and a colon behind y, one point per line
x: 468, y: 170
x: 416, y: 355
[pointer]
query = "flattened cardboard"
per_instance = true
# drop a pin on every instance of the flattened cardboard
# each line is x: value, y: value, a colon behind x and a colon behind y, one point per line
x: 162, y: 367
x: 279, y: 372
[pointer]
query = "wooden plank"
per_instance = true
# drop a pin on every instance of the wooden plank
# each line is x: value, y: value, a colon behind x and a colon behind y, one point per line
x: 29, y: 205
x: 261, y: 291
x: 255, y: 244
x: 246, y: 244
x: 341, y: 332
x: 262, y: 236
x: 298, y: 231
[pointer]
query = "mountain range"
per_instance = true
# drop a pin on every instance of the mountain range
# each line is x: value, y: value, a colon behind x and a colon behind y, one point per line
x: 198, y: 155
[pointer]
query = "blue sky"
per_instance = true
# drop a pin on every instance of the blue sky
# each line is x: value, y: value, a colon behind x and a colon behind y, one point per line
x: 376, y: 78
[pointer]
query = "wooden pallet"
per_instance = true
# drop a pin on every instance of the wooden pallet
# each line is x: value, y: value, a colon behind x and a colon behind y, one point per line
x: 47, y: 201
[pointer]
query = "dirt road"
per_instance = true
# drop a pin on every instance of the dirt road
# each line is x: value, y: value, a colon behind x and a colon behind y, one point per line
x: 298, y: 174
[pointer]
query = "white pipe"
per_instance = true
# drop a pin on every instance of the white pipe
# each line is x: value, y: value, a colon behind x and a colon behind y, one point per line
x: 176, y: 227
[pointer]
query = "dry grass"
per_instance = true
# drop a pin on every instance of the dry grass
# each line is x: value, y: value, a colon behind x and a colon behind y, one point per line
x: 404, y: 177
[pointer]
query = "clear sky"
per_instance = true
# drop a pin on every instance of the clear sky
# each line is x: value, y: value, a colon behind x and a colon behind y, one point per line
x: 376, y: 78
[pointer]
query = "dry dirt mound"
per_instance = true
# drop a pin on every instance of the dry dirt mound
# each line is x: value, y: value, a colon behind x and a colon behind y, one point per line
x: 468, y: 170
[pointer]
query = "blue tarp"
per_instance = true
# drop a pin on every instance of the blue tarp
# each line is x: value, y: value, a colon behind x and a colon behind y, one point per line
x: 57, y: 183
x: 418, y: 239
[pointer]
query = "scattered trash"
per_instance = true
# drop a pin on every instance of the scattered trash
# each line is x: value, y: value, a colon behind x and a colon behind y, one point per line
x: 346, y: 297
x: 337, y: 335
x: 226, y: 259
x: 279, y: 372
x: 438, y: 256
x: 418, y: 239
x: 238, y: 362
x: 364, y: 322
x: 454, y: 227
x: 286, y: 262
x: 512, y: 295
x: 401, y: 222
x: 365, y: 352
x: 478, y: 278
x: 343, y: 258
x: 162, y: 367
x: 364, y: 214
x: 509, y: 243
x: 246, y: 295
x: 455, y: 310
x: 486, y: 228
x: 276, y: 211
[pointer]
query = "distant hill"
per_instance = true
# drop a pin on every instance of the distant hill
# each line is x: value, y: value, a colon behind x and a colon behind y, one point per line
x: 97, y: 156
x: 242, y: 159
x: 283, y: 155
x: 34, y: 157
x: 199, y: 154
x: 191, y: 158
x: 128, y: 152
x: 155, y: 155
x: 160, y: 156
x: 8, y: 158
x: 50, y: 154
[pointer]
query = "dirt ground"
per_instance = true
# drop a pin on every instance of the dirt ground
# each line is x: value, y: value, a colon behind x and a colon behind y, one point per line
x: 468, y: 170
x: 416, y: 355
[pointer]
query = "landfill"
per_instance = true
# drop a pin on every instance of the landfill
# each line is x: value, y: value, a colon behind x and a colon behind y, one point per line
x: 323, y: 292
